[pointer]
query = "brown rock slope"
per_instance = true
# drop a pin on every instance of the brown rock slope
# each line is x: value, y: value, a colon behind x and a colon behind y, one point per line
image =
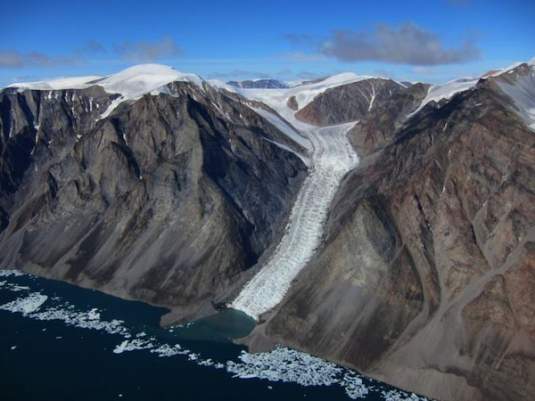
x: 167, y: 200
x: 350, y: 102
x: 426, y: 276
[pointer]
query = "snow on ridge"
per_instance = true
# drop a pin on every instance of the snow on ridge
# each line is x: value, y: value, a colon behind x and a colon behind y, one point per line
x: 284, y: 127
x: 135, y: 82
x: 522, y: 90
x: 508, y: 69
x: 306, y: 93
x: 145, y: 78
x: 131, y: 82
x: 57, y: 84
x: 438, y: 92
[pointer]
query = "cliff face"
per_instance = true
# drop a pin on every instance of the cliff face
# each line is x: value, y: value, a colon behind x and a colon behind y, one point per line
x: 350, y: 102
x: 424, y: 279
x: 167, y: 200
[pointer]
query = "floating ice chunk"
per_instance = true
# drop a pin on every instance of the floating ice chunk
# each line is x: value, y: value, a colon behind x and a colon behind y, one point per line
x: 93, y: 314
x: 167, y: 350
x: 205, y: 362
x: 398, y: 395
x: 26, y: 305
x: 286, y: 365
x: 132, y: 345
x: 10, y: 272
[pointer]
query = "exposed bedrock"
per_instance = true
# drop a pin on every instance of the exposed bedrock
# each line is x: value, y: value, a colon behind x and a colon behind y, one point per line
x: 168, y: 200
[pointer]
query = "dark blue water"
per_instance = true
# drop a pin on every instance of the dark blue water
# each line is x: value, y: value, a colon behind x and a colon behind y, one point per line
x: 60, y: 352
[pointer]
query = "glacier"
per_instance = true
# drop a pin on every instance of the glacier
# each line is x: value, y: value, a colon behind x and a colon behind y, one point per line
x: 331, y: 159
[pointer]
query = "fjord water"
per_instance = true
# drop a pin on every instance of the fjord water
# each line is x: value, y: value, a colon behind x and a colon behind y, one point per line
x: 74, y: 346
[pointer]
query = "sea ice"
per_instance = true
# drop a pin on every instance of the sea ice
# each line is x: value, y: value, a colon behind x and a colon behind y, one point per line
x: 26, y: 305
x: 282, y: 364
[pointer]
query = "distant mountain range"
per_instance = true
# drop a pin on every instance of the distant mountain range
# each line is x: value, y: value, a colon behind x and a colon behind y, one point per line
x: 386, y: 226
x: 259, y: 84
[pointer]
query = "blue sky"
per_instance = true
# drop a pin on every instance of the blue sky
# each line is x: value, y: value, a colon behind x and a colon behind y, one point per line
x: 432, y: 40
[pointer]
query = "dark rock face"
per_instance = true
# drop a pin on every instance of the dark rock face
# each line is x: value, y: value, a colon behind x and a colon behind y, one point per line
x: 377, y: 127
x: 348, y: 103
x: 259, y: 84
x: 425, y: 278
x: 168, y: 200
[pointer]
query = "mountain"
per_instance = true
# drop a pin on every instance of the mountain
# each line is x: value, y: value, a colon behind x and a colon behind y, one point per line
x: 428, y: 253
x: 148, y: 185
x: 259, y: 84
x: 384, y: 226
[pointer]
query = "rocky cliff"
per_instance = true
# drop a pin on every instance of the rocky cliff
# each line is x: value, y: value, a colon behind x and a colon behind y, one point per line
x: 426, y: 273
x: 166, y: 200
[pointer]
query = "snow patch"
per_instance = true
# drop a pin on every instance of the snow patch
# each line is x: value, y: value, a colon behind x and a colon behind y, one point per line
x: 284, y: 127
x: 522, y: 91
x: 304, y: 159
x: 136, y: 81
x: 447, y: 91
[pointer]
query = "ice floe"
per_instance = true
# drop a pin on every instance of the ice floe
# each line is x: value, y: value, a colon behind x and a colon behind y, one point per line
x: 10, y: 272
x: 280, y: 365
x: 25, y: 305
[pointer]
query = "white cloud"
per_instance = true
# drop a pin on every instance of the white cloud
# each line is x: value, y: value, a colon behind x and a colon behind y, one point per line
x: 146, y: 52
x: 407, y: 44
x: 15, y: 59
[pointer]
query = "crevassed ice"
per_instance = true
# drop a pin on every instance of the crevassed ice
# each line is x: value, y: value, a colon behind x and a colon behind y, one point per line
x: 333, y: 157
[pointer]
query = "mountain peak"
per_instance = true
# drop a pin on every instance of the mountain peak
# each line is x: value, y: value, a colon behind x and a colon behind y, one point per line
x: 131, y: 82
x: 144, y: 78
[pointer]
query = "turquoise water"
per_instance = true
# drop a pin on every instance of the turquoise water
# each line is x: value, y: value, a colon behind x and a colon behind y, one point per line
x: 60, y: 342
